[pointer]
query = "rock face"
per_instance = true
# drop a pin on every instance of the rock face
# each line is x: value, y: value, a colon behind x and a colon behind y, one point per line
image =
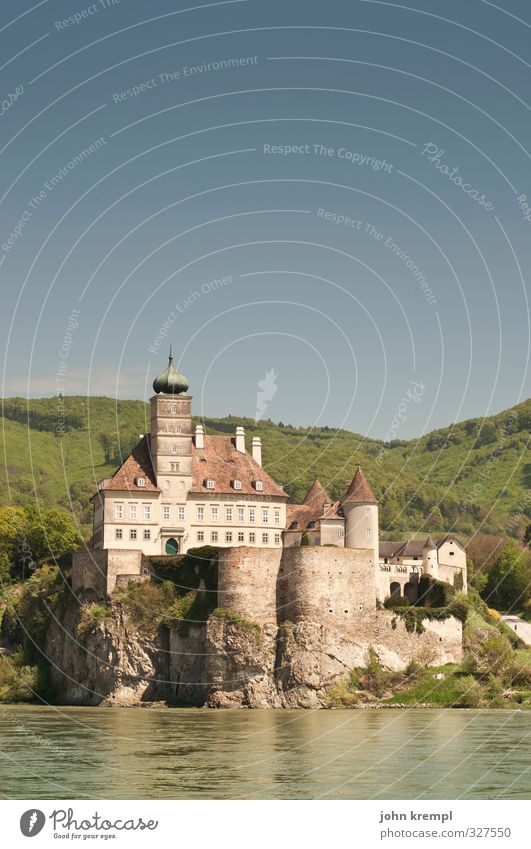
x: 111, y: 666
x: 228, y: 664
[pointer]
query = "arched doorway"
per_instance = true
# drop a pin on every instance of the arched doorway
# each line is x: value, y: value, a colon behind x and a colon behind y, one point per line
x: 411, y: 592
x: 395, y: 589
x: 172, y: 546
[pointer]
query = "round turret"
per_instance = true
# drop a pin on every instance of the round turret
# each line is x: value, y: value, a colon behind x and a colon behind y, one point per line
x: 360, y: 509
x: 171, y: 381
x: 430, y: 560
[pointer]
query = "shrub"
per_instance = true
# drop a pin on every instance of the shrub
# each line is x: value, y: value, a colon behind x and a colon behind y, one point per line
x: 91, y: 616
x: 18, y: 682
x: 469, y: 692
x: 487, y: 653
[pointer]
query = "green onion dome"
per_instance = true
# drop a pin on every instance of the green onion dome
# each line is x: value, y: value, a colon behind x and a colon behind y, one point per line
x: 171, y: 381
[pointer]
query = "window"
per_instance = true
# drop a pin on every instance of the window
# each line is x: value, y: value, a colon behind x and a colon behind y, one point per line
x: 180, y: 514
x: 258, y: 485
x: 132, y: 533
x: 241, y: 536
x: 386, y: 560
x: 147, y: 533
x: 210, y: 484
x: 228, y: 536
x: 147, y: 512
x: 214, y: 512
x: 367, y: 511
x: 237, y: 484
x: 200, y: 514
x: 277, y: 517
x: 265, y: 538
x: 178, y: 428
x: 174, y: 449
x: 252, y: 537
x: 132, y: 511
x: 166, y: 512
x: 241, y: 514
x: 252, y: 514
x: 265, y: 516
x: 118, y: 533
x: 118, y: 511
x: 200, y: 536
x: 173, y: 409
x: 277, y: 539
x: 166, y: 484
x: 228, y: 514
x: 174, y: 467
x: 213, y: 536
x: 451, y: 553
x: 181, y: 484
x: 368, y: 533
x: 341, y: 532
x: 140, y: 481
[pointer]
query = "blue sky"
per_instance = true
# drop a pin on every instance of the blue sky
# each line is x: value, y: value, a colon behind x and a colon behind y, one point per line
x: 330, y: 192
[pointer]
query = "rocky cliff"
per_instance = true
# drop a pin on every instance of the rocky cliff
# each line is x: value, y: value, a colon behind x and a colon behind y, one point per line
x: 227, y: 661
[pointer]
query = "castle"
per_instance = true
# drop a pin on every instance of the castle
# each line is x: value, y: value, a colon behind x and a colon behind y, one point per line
x: 181, y: 489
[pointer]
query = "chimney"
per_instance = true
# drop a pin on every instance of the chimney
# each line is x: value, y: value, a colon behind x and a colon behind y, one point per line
x: 199, y: 436
x: 239, y: 439
x: 256, y: 450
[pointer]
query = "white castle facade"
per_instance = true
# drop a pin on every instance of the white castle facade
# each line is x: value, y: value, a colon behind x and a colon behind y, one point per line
x: 181, y: 489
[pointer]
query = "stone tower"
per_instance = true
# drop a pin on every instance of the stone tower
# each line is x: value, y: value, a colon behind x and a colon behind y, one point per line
x: 360, y: 508
x: 171, y: 431
x: 430, y: 561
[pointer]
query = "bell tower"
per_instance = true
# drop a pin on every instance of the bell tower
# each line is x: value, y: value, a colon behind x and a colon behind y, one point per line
x: 171, y: 431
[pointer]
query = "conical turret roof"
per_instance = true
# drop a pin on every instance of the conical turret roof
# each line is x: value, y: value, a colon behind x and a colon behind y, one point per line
x: 429, y: 543
x: 171, y: 381
x: 359, y: 491
x: 317, y: 494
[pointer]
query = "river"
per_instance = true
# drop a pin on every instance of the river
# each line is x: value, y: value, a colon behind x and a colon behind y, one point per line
x: 136, y: 753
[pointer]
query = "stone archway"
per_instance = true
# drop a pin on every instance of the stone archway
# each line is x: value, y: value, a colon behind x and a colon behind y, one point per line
x: 395, y: 589
x: 172, y: 546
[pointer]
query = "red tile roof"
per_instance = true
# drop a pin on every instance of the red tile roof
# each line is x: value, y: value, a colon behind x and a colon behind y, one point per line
x: 221, y: 462
x: 310, y: 510
x: 359, y: 491
x: 136, y: 465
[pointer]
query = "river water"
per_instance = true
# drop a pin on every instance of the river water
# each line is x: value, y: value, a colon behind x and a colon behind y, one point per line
x: 135, y: 753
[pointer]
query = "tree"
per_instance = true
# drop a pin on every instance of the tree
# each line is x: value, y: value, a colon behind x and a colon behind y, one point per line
x: 28, y: 534
x: 527, y: 536
x: 508, y: 583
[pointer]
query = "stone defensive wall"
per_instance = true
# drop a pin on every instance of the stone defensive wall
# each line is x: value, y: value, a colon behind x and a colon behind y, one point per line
x: 99, y: 570
x: 247, y: 582
x: 326, y: 584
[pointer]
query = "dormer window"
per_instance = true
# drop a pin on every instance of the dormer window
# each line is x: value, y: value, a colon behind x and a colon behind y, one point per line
x: 236, y: 484
x: 140, y: 481
x: 210, y: 484
x: 311, y: 524
x: 258, y: 485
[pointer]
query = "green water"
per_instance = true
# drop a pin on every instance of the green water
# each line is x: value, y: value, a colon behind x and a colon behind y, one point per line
x: 63, y: 753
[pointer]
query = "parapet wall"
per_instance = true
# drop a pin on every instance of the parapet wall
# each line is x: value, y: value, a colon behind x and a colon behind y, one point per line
x: 326, y: 584
x: 98, y: 570
x: 247, y: 582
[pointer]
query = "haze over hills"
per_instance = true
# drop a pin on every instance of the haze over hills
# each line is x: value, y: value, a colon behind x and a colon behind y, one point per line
x: 470, y: 476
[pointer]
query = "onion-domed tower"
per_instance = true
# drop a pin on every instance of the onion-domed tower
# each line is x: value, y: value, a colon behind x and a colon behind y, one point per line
x: 171, y: 432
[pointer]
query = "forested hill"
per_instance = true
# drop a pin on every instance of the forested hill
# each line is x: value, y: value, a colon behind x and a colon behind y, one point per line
x: 471, y: 474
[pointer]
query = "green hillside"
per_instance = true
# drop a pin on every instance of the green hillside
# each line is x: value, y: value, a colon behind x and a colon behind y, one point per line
x: 471, y: 475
